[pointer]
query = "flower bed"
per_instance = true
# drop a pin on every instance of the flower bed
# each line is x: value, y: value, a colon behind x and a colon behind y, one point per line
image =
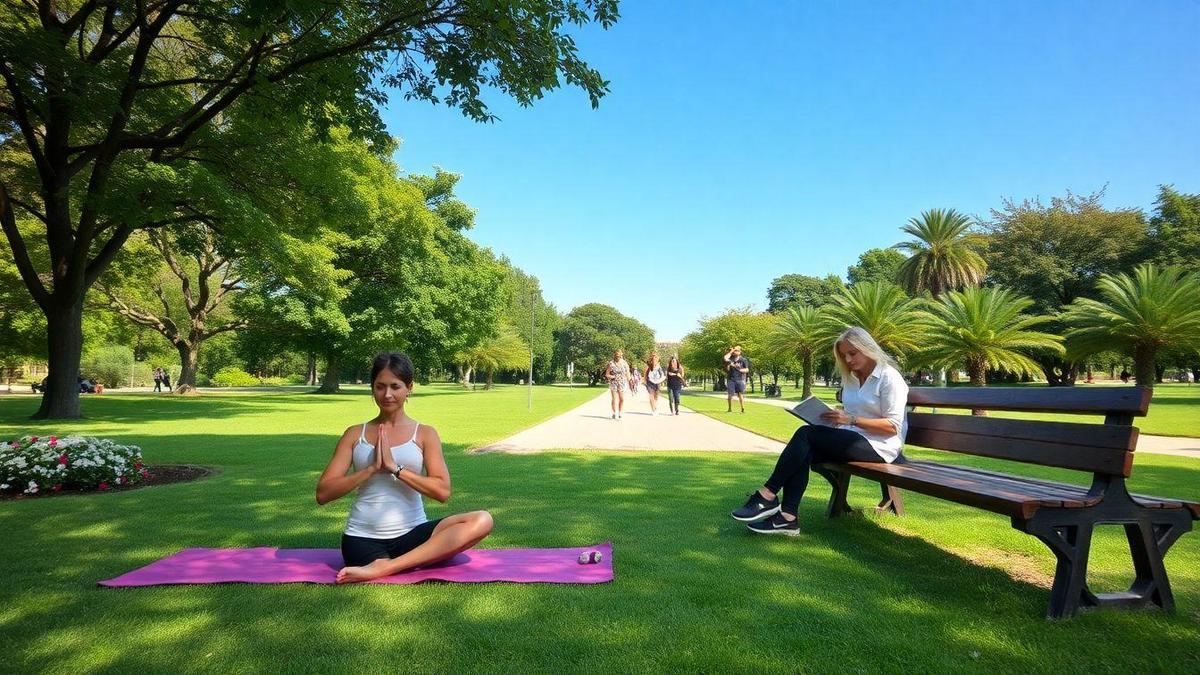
x: 36, y: 465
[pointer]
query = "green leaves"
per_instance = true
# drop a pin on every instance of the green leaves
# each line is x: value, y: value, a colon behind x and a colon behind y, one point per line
x: 1140, y: 312
x: 985, y: 328
x: 943, y: 254
x: 897, y: 322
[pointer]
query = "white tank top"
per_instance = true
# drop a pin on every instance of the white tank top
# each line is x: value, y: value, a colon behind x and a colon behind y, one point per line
x: 386, y: 508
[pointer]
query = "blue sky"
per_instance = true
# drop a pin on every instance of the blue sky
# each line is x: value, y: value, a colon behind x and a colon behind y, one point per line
x: 742, y: 141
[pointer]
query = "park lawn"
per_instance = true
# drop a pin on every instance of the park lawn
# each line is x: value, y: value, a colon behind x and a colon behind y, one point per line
x: 1174, y: 410
x: 945, y: 589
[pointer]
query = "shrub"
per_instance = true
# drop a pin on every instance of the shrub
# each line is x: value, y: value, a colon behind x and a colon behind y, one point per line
x: 295, y: 379
x: 39, y: 464
x: 231, y: 376
x: 109, y: 365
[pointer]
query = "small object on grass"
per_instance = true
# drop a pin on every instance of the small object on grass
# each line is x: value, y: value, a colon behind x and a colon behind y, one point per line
x: 590, y: 557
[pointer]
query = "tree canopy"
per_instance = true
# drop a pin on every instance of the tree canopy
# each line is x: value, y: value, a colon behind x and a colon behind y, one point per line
x: 590, y: 333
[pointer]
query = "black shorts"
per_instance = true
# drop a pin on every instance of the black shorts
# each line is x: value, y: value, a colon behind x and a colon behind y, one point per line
x: 358, y: 551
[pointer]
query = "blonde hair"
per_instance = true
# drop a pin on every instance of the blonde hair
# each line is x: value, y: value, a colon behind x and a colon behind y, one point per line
x: 861, y: 340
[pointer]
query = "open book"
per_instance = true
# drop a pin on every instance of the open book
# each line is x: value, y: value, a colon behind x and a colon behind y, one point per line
x: 810, y: 410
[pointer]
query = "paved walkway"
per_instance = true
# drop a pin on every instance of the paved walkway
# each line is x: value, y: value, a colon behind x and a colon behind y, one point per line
x: 1158, y: 445
x: 590, y: 427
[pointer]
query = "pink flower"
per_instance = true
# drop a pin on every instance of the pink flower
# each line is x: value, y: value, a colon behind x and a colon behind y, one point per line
x: 145, y: 473
x: 62, y: 459
x: 122, y: 480
x: 33, y: 439
x: 57, y: 487
x: 53, y: 441
x: 102, y: 486
x: 137, y: 464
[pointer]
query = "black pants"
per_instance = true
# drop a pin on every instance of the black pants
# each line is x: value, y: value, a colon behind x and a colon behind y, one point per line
x: 815, y: 443
x: 673, y: 398
x: 358, y: 551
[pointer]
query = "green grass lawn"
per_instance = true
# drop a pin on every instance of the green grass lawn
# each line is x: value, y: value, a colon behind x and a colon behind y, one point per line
x: 1174, y: 410
x: 944, y: 589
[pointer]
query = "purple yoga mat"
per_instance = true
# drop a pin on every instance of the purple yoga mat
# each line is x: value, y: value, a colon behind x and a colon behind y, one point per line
x: 320, y: 566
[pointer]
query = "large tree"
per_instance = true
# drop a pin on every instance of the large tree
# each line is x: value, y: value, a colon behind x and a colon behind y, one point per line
x: 1141, y: 313
x: 590, y: 333
x: 805, y: 334
x: 792, y: 290
x: 877, y: 264
x: 943, y: 253
x: 1175, y: 229
x: 528, y: 311
x: 102, y: 99
x: 704, y: 348
x: 1054, y: 253
x: 898, y: 323
x: 985, y: 328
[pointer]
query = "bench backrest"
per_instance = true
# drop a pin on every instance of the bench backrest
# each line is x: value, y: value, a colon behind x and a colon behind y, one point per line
x: 1100, y: 448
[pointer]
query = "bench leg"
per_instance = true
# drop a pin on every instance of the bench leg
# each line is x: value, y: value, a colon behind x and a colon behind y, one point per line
x: 840, y: 482
x: 1071, y: 545
x: 1150, y: 536
x: 891, y: 501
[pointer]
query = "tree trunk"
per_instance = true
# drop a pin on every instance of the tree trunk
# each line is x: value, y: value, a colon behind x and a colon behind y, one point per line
x: 489, y: 381
x: 1143, y: 365
x: 189, y: 360
x: 806, y: 374
x: 1159, y: 372
x: 333, y: 371
x: 977, y: 371
x: 64, y: 340
x: 1195, y: 374
x: 310, y: 373
x: 1059, y: 373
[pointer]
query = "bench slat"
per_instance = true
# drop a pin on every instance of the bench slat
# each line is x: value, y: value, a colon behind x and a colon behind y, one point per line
x: 1102, y: 448
x: 1091, y: 400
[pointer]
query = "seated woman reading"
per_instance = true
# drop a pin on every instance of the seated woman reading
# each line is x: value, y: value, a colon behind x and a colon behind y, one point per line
x: 870, y: 428
x: 392, y: 460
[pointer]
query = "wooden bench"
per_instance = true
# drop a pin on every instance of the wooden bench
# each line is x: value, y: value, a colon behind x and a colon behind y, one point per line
x: 1059, y: 514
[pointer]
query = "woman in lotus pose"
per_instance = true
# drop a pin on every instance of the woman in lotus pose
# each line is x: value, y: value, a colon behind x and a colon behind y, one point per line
x: 871, y: 428
x: 392, y: 461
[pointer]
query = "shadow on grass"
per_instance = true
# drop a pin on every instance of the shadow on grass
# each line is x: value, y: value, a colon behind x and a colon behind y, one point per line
x: 693, y: 589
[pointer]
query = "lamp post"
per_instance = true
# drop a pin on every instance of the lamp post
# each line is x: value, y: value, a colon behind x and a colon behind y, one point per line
x: 529, y: 406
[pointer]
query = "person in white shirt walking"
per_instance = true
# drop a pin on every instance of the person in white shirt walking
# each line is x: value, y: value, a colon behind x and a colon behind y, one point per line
x: 870, y: 428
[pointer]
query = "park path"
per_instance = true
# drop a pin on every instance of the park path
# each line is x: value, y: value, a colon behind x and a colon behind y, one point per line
x: 1180, y: 446
x: 590, y: 427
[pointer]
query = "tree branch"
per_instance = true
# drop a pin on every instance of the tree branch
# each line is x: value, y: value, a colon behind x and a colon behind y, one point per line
x: 8, y: 222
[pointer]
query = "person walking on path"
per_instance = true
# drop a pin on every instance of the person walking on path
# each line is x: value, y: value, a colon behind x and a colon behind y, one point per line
x: 387, y: 530
x: 870, y: 428
x: 635, y: 379
x: 166, y: 379
x: 617, y: 374
x: 654, y: 379
x: 736, y: 368
x: 158, y: 377
x: 674, y: 383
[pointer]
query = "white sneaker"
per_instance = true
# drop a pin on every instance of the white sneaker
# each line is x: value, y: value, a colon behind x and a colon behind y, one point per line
x: 614, y: 416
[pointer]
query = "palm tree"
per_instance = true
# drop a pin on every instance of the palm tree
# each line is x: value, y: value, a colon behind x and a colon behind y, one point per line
x: 984, y: 328
x: 1140, y: 313
x: 802, y: 333
x: 503, y: 351
x: 942, y: 257
x: 897, y: 322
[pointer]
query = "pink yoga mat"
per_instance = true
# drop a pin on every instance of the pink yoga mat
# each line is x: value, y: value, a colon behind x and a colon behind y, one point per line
x: 320, y: 566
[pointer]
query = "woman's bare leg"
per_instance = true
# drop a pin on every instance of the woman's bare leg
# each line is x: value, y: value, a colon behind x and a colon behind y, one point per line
x: 452, y: 536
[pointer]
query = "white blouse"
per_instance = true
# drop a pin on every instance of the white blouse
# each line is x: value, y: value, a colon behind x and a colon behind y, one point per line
x: 884, y: 395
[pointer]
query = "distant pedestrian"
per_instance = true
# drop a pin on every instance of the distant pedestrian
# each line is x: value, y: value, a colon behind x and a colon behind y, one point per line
x: 617, y: 374
x: 635, y: 379
x: 736, y: 369
x: 675, y: 383
x: 654, y: 379
x: 1125, y: 376
x: 166, y: 379
x: 158, y: 378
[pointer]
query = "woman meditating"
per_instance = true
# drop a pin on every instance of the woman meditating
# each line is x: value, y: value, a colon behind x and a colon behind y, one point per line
x: 392, y: 461
x: 870, y: 428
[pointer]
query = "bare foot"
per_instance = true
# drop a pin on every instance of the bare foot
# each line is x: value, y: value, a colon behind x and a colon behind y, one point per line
x: 351, y: 575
